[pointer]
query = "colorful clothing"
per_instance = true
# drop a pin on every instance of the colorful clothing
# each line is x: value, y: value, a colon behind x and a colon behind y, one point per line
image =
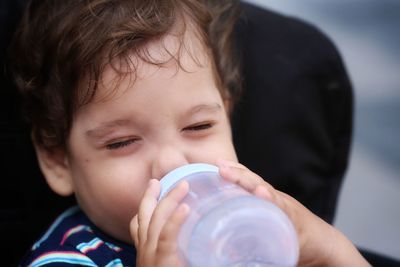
x: 73, y: 240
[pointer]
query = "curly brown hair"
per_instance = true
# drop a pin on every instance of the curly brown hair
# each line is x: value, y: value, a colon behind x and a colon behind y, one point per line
x: 59, y: 44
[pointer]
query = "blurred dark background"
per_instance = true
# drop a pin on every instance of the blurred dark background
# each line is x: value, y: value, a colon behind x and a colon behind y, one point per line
x: 367, y: 33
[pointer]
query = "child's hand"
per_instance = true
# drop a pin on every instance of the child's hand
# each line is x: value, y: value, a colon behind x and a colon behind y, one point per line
x: 156, y: 226
x: 320, y: 243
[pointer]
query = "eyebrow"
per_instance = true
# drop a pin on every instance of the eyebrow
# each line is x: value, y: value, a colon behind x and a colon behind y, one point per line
x: 103, y: 128
x: 204, y: 108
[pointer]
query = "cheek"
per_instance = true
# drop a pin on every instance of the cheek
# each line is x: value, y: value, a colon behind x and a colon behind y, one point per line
x: 223, y: 144
x: 212, y: 150
x: 113, y: 185
x: 225, y: 150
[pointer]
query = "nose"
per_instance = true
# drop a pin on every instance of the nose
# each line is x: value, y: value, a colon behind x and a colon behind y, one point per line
x: 167, y: 159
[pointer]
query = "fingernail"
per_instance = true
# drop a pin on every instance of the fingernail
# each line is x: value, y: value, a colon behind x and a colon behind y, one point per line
x: 224, y: 168
x: 184, y: 184
x: 263, y: 192
x: 183, y: 208
x: 151, y: 182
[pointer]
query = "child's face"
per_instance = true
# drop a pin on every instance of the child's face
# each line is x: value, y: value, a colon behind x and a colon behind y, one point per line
x: 166, y: 118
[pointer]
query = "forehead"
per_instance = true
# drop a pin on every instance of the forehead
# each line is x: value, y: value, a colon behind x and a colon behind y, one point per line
x: 155, y: 92
x: 177, y: 50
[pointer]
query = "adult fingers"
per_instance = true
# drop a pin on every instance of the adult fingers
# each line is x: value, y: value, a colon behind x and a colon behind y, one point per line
x: 250, y: 181
x: 239, y: 174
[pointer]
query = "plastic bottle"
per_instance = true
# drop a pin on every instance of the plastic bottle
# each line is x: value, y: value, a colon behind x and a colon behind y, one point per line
x: 227, y: 226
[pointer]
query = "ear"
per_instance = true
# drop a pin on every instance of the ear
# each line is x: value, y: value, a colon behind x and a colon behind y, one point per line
x: 56, y: 170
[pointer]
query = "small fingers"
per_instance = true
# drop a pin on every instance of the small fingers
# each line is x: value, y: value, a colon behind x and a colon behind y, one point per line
x: 164, y: 211
x: 134, y: 229
x: 169, y: 234
x: 146, y: 209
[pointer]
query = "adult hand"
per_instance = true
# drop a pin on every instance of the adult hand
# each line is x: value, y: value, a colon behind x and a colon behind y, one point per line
x: 320, y: 243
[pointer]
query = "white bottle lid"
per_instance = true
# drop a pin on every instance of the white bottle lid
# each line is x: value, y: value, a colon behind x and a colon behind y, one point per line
x: 171, y: 178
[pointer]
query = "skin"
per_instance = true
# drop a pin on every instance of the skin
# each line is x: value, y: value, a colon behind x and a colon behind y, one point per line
x: 121, y: 144
x: 166, y: 118
x: 156, y: 226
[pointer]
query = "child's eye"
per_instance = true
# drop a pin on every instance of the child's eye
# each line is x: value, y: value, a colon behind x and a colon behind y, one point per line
x: 120, y: 144
x: 199, y: 127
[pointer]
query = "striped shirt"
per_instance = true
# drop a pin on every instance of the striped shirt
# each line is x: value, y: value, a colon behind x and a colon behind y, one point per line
x: 73, y: 240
